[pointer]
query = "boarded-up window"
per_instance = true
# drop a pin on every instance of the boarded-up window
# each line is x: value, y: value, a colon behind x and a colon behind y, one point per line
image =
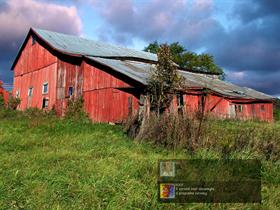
x: 262, y: 108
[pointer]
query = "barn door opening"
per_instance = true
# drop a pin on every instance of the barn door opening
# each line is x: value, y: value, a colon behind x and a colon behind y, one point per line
x: 232, y: 113
x: 29, y: 98
x: 180, y: 103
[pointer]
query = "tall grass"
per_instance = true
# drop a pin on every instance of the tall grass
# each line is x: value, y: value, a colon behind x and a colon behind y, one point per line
x: 50, y: 163
x: 223, y: 136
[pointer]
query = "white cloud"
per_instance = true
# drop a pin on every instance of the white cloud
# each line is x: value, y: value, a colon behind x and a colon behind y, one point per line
x: 18, y: 16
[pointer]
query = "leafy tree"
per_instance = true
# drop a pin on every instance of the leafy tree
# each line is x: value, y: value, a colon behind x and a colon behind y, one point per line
x: 188, y: 60
x: 152, y: 47
x: 276, y: 109
x: 164, y: 81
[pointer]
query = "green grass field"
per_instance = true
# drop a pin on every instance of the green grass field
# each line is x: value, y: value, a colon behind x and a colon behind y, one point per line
x: 46, y: 163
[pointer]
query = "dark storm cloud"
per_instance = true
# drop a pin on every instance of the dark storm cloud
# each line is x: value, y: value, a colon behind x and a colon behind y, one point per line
x: 173, y: 20
x: 252, y: 10
x: 267, y: 83
x: 17, y: 16
x: 253, y: 46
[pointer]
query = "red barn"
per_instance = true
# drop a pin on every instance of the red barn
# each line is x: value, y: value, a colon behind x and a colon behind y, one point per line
x: 4, y: 93
x: 52, y: 67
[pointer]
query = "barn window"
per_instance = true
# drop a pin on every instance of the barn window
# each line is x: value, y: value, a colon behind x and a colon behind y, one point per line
x: 45, y: 103
x: 262, y: 108
x: 70, y: 91
x: 17, y: 94
x: 45, y: 88
x: 30, y: 91
x: 239, y: 108
x: 33, y: 40
x: 180, y: 100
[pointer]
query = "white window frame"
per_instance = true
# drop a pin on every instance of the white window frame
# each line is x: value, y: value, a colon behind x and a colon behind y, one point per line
x: 30, y: 90
x: 18, y: 93
x: 45, y: 83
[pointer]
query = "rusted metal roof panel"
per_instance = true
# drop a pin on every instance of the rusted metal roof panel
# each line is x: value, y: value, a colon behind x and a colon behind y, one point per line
x: 140, y: 72
x: 81, y: 46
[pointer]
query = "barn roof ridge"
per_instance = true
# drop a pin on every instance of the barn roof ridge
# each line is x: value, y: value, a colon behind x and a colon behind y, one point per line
x: 87, y: 47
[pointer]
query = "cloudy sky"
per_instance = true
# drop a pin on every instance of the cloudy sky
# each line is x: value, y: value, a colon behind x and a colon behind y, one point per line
x: 242, y: 35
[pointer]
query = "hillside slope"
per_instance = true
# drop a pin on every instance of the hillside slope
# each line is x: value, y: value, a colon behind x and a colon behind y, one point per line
x: 47, y: 163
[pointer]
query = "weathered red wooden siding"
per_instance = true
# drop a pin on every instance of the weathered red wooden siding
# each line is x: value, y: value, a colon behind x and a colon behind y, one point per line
x: 191, y: 104
x: 104, y: 102
x: 254, y: 111
x: 219, y: 107
x: 35, y: 66
x: 68, y: 75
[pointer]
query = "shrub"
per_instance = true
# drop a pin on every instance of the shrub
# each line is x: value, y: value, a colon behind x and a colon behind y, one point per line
x: 75, y: 110
x: 13, y: 103
x: 168, y: 130
x: 2, y: 103
x: 276, y: 114
x: 132, y: 125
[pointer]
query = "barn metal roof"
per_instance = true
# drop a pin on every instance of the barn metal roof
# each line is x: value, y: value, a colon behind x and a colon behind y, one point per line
x: 140, y: 72
x: 86, y: 47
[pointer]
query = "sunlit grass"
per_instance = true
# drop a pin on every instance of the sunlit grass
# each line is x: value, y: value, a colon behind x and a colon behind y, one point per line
x: 46, y: 163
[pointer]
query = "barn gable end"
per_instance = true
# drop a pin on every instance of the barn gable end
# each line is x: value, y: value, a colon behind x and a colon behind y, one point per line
x: 35, y: 66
